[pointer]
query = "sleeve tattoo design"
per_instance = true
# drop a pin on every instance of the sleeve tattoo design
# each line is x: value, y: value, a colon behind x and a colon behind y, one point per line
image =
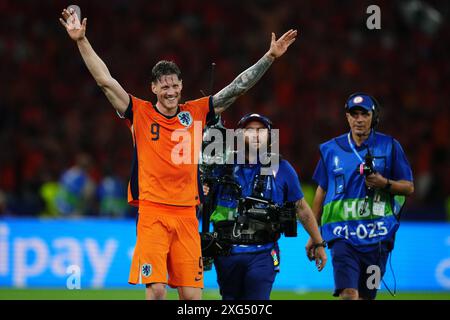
x: 243, y: 82
x: 302, y: 216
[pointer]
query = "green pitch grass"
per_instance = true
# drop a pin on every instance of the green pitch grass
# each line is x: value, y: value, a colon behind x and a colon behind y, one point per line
x: 138, y: 294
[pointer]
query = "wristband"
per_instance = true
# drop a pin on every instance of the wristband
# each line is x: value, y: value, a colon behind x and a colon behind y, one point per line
x: 322, y: 244
x: 388, y: 185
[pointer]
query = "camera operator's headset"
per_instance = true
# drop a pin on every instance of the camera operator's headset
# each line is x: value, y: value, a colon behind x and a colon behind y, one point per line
x: 375, y: 106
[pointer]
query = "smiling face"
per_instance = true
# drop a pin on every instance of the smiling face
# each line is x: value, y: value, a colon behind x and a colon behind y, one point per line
x: 359, y: 121
x: 168, y: 92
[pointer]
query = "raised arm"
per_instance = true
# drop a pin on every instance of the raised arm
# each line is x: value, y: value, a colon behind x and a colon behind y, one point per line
x: 118, y: 97
x: 247, y: 79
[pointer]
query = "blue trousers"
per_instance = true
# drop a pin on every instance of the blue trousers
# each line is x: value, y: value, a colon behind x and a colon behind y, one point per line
x: 350, y: 267
x: 246, y: 276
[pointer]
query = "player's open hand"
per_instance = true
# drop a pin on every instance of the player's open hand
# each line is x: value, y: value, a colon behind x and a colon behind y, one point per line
x: 279, y: 47
x: 71, y: 22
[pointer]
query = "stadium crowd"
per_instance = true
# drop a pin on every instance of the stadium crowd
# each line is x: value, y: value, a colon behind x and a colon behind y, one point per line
x: 60, y: 138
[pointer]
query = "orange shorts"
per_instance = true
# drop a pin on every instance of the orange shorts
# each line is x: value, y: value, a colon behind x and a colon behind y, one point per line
x: 167, y: 247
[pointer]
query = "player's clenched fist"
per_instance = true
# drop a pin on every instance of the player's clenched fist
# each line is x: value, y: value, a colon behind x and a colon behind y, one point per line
x: 71, y: 22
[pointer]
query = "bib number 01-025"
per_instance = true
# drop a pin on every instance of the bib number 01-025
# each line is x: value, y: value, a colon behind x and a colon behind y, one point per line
x: 362, y: 231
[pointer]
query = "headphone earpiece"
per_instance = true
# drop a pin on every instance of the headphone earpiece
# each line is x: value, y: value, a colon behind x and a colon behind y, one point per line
x: 376, y: 109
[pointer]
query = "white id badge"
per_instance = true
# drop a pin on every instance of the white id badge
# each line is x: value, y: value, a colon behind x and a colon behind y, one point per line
x: 378, y: 208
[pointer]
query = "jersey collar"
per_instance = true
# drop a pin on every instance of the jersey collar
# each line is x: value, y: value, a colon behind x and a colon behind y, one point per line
x: 167, y: 117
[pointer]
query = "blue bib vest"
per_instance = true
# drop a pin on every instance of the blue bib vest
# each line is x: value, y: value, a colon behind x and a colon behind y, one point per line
x: 346, y: 190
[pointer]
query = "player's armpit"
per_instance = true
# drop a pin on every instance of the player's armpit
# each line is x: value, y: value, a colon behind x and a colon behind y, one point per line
x: 118, y: 97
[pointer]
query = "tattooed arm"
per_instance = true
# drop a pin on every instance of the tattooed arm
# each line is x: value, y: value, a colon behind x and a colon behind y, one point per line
x: 247, y: 79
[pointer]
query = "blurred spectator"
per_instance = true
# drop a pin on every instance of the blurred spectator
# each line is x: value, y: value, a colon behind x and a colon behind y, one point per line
x: 77, y: 190
x: 112, y: 197
x: 49, y: 193
x: 3, y: 205
x: 51, y: 108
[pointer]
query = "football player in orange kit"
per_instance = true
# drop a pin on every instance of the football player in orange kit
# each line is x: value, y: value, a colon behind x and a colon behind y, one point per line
x: 166, y: 192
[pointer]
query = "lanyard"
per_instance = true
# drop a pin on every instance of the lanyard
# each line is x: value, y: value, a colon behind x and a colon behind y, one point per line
x: 353, y: 148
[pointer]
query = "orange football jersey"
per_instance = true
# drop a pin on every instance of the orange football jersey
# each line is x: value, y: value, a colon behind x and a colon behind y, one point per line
x: 166, y: 151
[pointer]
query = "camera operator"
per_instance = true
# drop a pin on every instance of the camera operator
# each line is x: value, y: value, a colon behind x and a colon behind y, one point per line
x: 360, y: 176
x: 247, y: 270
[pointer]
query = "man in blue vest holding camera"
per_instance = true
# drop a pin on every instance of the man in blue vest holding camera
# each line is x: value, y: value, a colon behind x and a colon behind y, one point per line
x: 363, y: 177
x: 251, y: 211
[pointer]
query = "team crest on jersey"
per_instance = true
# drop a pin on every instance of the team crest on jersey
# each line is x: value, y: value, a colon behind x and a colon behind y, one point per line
x: 146, y: 270
x: 185, y: 118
